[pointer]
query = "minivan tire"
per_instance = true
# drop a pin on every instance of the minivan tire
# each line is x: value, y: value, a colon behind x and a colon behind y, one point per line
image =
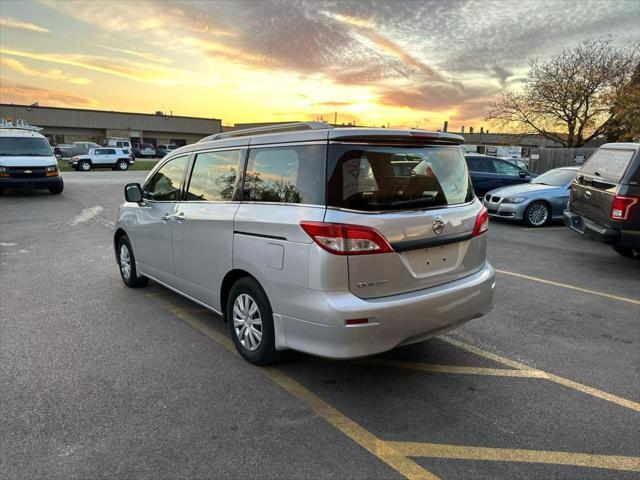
x: 534, y: 209
x: 250, y: 290
x: 628, y: 252
x: 123, y: 165
x: 131, y: 278
x: 84, y: 165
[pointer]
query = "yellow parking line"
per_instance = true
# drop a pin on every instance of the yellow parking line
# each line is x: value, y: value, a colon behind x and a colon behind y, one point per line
x: 594, y: 392
x: 455, y: 369
x: 571, y: 287
x: 435, y: 450
x: 382, y: 450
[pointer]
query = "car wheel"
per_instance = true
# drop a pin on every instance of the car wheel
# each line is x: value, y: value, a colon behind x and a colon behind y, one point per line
x: 123, y: 165
x: 84, y: 165
x: 127, y: 264
x: 537, y: 214
x: 58, y: 156
x: 628, y: 252
x: 250, y: 321
x: 57, y: 188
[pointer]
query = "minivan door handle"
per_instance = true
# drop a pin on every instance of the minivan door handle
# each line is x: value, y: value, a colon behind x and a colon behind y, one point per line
x: 180, y: 216
x: 166, y: 217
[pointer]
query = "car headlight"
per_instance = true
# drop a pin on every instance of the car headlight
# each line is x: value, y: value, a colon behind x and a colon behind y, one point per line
x: 4, y: 169
x: 513, y: 199
x: 52, y: 171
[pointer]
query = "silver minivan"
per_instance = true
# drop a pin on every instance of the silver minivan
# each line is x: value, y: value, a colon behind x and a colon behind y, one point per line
x: 339, y: 242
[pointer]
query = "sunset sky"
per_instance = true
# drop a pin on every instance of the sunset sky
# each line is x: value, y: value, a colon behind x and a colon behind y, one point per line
x: 414, y: 63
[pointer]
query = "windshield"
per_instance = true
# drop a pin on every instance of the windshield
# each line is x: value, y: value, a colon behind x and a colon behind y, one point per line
x: 24, y: 147
x: 556, y: 177
x: 377, y: 178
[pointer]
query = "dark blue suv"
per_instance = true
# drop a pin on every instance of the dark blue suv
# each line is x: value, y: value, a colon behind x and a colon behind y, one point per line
x: 489, y: 172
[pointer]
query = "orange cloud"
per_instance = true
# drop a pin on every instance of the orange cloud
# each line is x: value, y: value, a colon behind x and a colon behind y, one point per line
x: 26, y: 94
x: 52, y: 74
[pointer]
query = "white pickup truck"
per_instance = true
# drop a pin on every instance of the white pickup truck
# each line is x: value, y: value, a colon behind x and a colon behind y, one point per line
x: 104, y: 157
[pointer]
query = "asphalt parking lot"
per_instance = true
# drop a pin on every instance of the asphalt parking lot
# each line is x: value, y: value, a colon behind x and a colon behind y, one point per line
x: 101, y: 381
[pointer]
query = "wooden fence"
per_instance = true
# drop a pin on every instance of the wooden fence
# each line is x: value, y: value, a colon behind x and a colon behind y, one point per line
x: 549, y: 158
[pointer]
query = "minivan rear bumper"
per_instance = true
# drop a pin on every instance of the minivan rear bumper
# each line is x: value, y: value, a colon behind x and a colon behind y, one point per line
x: 588, y: 228
x: 392, y: 321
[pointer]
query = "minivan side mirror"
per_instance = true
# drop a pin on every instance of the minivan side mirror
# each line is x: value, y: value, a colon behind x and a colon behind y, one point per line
x: 133, y: 192
x: 522, y: 174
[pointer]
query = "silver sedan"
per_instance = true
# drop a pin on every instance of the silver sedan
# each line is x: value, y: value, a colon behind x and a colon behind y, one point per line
x: 535, y: 203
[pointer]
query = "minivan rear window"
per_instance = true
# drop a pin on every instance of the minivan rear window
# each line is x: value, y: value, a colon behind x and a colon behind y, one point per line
x: 387, y: 178
x: 608, y: 163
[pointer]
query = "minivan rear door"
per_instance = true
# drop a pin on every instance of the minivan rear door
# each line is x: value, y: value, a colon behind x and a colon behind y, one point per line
x: 427, y: 214
x: 596, y: 184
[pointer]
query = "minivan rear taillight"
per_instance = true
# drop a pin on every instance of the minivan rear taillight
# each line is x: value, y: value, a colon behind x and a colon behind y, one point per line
x: 482, y: 222
x: 343, y: 239
x: 622, y: 205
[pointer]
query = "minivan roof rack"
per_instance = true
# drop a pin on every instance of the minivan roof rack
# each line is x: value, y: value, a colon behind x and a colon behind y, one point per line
x: 278, y: 128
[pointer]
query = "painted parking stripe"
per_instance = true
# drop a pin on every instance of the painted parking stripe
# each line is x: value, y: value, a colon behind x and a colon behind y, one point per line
x: 594, y: 392
x: 454, y: 369
x: 436, y: 450
x: 570, y: 287
x: 367, y: 440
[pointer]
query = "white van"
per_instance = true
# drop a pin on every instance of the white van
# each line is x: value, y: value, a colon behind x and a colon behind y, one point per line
x: 123, y: 143
x: 27, y: 160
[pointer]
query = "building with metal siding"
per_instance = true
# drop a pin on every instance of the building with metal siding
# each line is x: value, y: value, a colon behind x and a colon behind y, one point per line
x: 66, y: 125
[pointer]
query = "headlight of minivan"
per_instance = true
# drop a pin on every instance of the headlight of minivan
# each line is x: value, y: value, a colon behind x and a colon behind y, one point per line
x: 4, y: 172
x: 52, y: 171
x: 513, y: 200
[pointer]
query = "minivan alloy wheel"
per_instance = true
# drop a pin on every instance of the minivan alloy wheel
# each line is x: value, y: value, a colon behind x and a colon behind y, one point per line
x: 538, y: 214
x: 125, y: 261
x: 247, y: 322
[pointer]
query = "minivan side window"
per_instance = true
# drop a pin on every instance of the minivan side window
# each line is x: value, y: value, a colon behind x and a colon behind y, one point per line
x: 214, y: 176
x: 287, y: 174
x: 165, y: 183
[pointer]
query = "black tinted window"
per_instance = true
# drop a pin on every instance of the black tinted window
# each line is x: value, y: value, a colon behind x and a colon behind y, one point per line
x: 214, y: 176
x: 375, y: 178
x: 480, y: 164
x: 165, y: 183
x: 292, y: 174
x: 608, y: 163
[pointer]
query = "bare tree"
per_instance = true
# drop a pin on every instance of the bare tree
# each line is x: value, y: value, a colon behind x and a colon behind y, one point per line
x: 572, y: 98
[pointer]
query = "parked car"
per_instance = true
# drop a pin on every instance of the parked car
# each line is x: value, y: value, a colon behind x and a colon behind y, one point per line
x: 165, y: 149
x: 114, y: 158
x: 304, y: 238
x: 60, y: 150
x: 27, y: 160
x: 75, y: 148
x: 535, y: 203
x: 605, y: 197
x: 488, y: 173
x: 144, y: 150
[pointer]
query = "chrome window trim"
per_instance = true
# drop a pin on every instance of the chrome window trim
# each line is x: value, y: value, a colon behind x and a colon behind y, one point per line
x: 311, y: 205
